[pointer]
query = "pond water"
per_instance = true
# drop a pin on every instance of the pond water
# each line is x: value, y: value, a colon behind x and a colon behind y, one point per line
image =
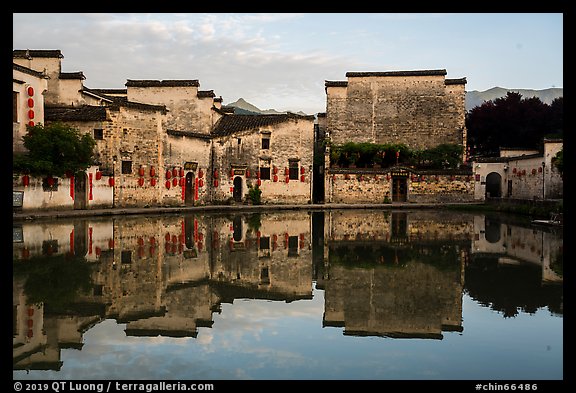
x: 288, y: 295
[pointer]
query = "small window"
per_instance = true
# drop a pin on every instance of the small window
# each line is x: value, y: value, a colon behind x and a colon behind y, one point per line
x: 293, y: 170
x: 98, y: 134
x: 293, y: 246
x: 265, y: 242
x: 266, y: 143
x: 126, y: 257
x: 264, y: 276
x: 126, y: 167
x: 265, y: 173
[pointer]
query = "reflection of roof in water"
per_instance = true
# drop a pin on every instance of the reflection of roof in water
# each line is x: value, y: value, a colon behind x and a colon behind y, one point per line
x: 137, y: 315
x: 161, y: 332
x: 362, y: 333
x: 228, y: 292
x: 46, y: 366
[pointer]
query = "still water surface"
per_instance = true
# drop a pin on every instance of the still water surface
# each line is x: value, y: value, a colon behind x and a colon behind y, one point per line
x: 389, y: 295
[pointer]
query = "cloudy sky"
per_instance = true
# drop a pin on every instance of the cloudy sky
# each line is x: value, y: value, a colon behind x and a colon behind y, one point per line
x: 282, y: 60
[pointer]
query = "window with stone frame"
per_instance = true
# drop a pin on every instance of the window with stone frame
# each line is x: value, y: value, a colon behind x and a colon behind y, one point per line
x: 293, y: 170
x: 98, y: 134
x: 265, y: 142
x: 264, y: 169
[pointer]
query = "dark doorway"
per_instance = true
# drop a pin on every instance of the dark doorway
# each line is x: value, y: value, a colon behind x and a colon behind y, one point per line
x: 80, y: 194
x: 237, y: 194
x: 493, y: 187
x: 398, y: 189
x: 189, y: 190
x: 237, y: 227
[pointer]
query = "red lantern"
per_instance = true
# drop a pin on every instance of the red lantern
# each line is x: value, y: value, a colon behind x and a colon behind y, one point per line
x: 168, y: 174
x: 167, y: 184
x: 201, y: 183
x: 247, y: 172
x: 141, y: 171
x: 174, y: 182
x: 50, y: 181
x: 174, y: 172
x: 301, y: 170
x: 30, y: 91
x: 152, y: 171
x: 258, y: 174
x: 141, y: 181
x: 111, y: 181
x: 30, y: 311
x: 200, y: 173
x: 182, y: 181
x: 231, y: 173
x: 259, y: 182
x: 216, y: 183
x: 303, y: 178
x: 25, y: 180
x: 540, y: 169
x: 30, y: 114
x: 215, y: 173
x: 153, y: 181
x: 286, y: 171
x: 31, y: 123
x: 275, y: 178
x: 98, y: 175
x: 30, y: 103
x: 287, y: 179
x: 275, y: 170
x: 181, y: 172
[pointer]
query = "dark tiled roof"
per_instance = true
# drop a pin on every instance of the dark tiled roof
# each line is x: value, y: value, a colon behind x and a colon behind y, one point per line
x: 109, y: 91
x: 191, y: 134
x: 163, y: 83
x: 397, y: 73
x: 123, y: 101
x: 31, y: 53
x: 72, y: 75
x: 335, y: 83
x: 224, y: 109
x: 461, y: 81
x: 206, y: 93
x: 231, y: 124
x: 27, y: 70
x: 80, y: 113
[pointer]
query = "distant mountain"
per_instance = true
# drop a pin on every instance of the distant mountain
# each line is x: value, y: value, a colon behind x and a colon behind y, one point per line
x: 476, y: 98
x: 243, y: 107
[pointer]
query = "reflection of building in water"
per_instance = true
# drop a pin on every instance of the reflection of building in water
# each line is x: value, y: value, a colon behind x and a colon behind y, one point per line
x: 515, y: 244
x: 395, y: 274
x: 160, y: 275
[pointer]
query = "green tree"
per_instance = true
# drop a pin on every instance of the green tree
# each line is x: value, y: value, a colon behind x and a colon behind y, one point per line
x: 558, y: 161
x: 512, y: 121
x: 54, y: 150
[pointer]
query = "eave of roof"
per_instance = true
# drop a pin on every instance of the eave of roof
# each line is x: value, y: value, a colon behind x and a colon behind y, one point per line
x: 28, y: 71
x: 162, y: 83
x: 397, y: 73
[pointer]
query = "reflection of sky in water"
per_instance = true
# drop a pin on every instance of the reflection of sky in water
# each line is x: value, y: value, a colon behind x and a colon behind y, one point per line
x: 258, y: 339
